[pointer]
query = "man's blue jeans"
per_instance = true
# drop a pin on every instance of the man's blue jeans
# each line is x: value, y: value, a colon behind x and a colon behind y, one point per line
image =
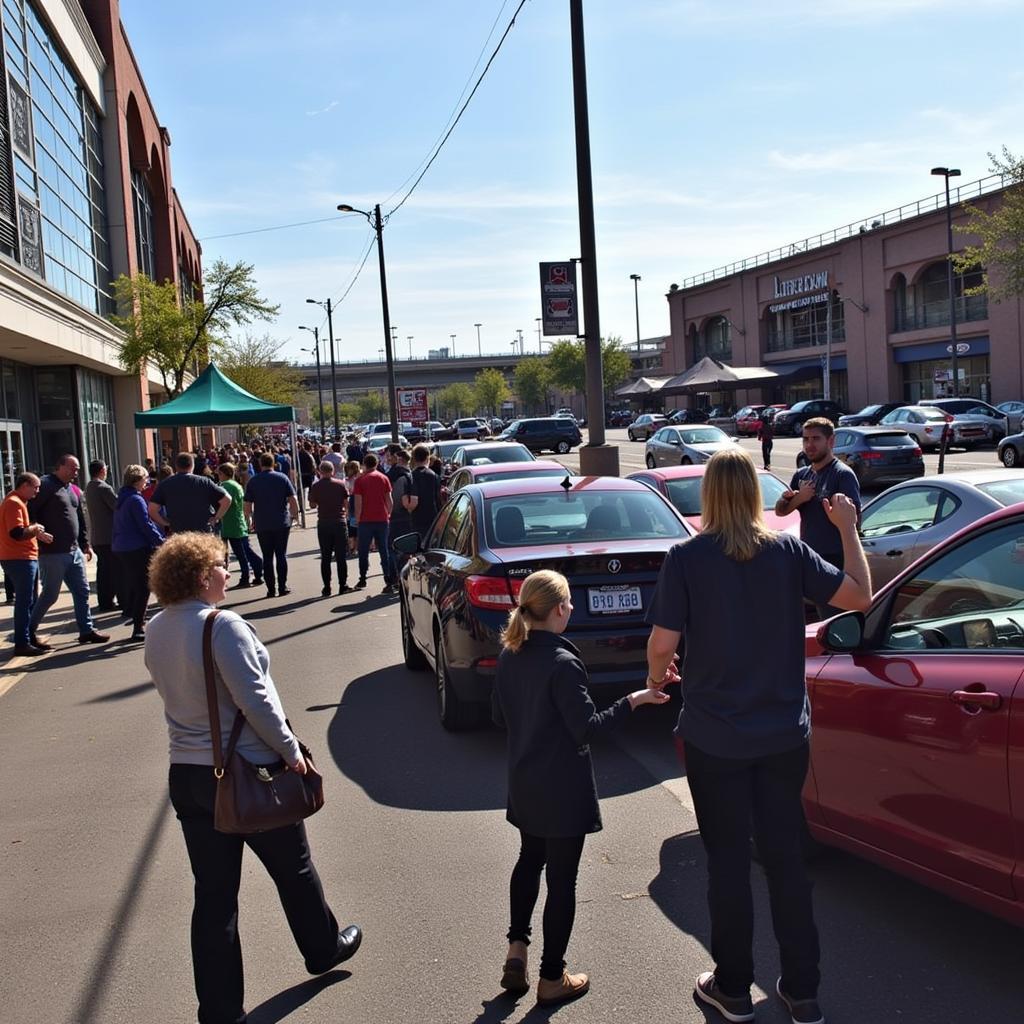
x: 22, y: 572
x: 368, y: 533
x: 55, y: 569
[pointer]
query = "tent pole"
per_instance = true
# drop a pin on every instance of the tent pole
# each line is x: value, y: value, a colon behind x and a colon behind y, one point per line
x: 297, y: 475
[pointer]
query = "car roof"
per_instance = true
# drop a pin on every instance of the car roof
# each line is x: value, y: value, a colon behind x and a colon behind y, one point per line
x: 548, y: 485
x: 682, y: 472
x: 889, y: 428
x: 513, y: 467
x: 959, y: 480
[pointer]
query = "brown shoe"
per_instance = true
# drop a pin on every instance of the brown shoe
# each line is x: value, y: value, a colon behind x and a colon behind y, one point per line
x: 514, y: 978
x: 570, y: 986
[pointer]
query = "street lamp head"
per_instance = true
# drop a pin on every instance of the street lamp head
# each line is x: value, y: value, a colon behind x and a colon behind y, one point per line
x: 946, y: 172
x: 635, y: 277
x: 301, y: 328
x: 316, y: 302
x: 478, y: 325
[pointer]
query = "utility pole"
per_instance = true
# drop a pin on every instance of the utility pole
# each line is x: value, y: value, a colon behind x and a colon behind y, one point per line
x: 479, y: 350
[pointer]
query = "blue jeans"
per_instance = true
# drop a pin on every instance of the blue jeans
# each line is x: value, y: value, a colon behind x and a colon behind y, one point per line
x: 22, y: 572
x: 55, y: 569
x: 368, y: 533
x: 247, y: 558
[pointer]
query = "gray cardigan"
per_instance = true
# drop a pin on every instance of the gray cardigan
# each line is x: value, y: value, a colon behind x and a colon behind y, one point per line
x: 174, y: 657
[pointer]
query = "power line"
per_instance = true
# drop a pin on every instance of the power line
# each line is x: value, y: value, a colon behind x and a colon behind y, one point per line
x: 469, y: 98
x: 276, y: 227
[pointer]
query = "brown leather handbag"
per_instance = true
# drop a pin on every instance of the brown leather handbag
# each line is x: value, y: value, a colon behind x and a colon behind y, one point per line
x: 254, y: 797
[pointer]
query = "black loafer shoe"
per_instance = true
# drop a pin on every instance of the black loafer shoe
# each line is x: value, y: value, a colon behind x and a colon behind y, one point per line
x: 283, y: 590
x: 27, y: 651
x: 349, y: 940
x: 93, y: 638
x: 325, y: 591
x: 40, y: 645
x: 244, y: 585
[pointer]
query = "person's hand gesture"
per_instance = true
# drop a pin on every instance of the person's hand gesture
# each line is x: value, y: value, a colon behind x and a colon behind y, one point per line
x: 46, y: 538
x: 648, y: 696
x: 805, y: 492
x: 841, y: 512
x: 671, y: 675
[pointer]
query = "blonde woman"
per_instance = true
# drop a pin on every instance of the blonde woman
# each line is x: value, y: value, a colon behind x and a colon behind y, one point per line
x: 540, y: 696
x: 745, y: 721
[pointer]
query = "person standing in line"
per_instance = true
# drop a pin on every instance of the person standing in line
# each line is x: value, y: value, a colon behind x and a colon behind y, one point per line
x: 540, y: 697
x: 335, y: 457
x: 351, y: 475
x: 235, y: 532
x: 100, y: 502
x: 59, y: 509
x: 766, y: 435
x: 19, y: 555
x: 270, y: 509
x: 134, y: 538
x: 191, y: 502
x: 307, y: 466
x: 810, y: 488
x: 424, y: 498
x: 372, y: 491
x: 329, y: 496
x: 745, y: 722
x: 189, y: 577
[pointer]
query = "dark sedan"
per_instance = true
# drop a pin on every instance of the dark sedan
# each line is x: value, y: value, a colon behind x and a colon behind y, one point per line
x: 877, y: 455
x: 608, y: 536
x: 870, y: 415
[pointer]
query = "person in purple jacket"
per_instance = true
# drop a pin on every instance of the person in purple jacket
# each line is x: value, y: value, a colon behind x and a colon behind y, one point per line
x: 135, y: 537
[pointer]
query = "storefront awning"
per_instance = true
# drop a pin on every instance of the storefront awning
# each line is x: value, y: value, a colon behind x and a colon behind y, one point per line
x: 710, y: 375
x: 642, y: 386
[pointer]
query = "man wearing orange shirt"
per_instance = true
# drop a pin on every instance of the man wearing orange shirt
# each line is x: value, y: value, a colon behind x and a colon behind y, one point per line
x: 19, y: 553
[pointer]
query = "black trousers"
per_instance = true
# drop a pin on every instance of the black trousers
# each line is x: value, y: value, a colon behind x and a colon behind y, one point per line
x: 107, y: 589
x: 134, y: 581
x: 729, y: 796
x: 766, y: 453
x: 560, y: 861
x: 333, y: 541
x: 274, y: 548
x: 216, y: 861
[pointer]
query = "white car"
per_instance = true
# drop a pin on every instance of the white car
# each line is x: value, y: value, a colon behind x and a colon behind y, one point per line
x: 926, y: 423
x: 974, y: 410
x: 688, y: 445
x: 471, y: 428
x: 1014, y: 413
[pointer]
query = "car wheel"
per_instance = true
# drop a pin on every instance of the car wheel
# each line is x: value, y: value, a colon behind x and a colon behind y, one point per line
x: 997, y: 436
x: 801, y: 460
x: 686, y: 461
x: 1008, y: 457
x: 455, y: 715
x: 563, y: 448
x: 798, y: 429
x: 630, y: 435
x: 650, y: 461
x: 414, y: 658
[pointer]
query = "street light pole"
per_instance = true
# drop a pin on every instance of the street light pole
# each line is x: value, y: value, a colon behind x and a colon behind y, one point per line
x: 947, y: 173
x: 479, y: 350
x: 540, y: 345
x: 334, y: 375
x: 408, y: 338
x: 635, y: 278
x: 319, y: 386
x: 378, y: 227
x: 452, y: 336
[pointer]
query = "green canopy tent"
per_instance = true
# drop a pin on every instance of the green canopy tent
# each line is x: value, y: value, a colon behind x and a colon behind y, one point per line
x: 212, y: 400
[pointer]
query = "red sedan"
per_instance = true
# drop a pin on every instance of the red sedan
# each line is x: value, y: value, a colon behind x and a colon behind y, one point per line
x: 917, y: 748
x: 681, y: 485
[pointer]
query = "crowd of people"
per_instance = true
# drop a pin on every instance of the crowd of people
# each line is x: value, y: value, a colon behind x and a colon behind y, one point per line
x: 50, y: 526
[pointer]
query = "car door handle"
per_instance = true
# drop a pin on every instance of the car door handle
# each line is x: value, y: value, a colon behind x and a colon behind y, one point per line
x: 977, y: 698
x: 895, y: 553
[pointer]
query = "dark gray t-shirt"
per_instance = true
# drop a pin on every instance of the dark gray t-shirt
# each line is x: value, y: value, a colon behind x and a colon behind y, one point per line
x: 744, y: 693
x: 189, y: 500
x: 815, y: 529
x: 269, y: 492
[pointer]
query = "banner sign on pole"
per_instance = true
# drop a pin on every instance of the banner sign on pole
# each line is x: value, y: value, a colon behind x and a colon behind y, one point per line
x: 413, y: 405
x: 558, y: 299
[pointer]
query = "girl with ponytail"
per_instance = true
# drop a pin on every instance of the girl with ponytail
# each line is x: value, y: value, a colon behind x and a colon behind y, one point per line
x: 540, y: 696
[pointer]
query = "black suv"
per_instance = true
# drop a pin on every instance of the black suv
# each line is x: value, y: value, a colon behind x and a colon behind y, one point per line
x: 560, y: 434
x: 870, y: 415
x: 791, y: 421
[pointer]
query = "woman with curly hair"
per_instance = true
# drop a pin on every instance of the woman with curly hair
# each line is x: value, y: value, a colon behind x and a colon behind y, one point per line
x: 189, y: 576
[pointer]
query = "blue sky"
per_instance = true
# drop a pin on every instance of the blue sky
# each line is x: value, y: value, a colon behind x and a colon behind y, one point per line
x: 718, y: 130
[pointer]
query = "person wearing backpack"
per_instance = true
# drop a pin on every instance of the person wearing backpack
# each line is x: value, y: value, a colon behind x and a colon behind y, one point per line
x: 424, y: 498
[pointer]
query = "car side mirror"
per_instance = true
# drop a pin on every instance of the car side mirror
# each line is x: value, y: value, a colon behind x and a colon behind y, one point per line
x: 675, y: 441
x: 408, y: 544
x: 842, y: 634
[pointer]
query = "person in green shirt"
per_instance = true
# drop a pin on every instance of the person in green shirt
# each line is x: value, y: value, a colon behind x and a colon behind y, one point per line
x: 234, y: 531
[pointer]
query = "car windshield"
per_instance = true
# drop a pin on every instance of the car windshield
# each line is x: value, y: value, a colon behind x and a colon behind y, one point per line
x: 575, y: 517
x: 685, y: 493
x: 932, y: 415
x: 446, y: 449
x: 897, y: 439
x: 869, y: 410
x: 515, y: 474
x: 1006, y: 492
x: 704, y: 435
x: 497, y: 453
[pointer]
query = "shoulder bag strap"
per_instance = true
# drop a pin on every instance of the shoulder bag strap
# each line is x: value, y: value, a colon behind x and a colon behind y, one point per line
x: 211, y: 694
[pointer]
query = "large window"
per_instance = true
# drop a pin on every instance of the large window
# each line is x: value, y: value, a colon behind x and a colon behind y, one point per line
x: 58, y: 159
x: 715, y: 340
x: 926, y: 304
x: 933, y: 378
x: 806, y: 326
x: 96, y: 409
x: 142, y: 202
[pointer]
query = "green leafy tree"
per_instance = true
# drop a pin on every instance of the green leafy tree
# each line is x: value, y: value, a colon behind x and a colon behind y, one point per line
x: 174, y: 334
x: 348, y: 412
x: 491, y: 390
x: 568, y: 364
x: 456, y: 399
x: 253, y: 364
x: 371, y: 407
x: 616, y: 365
x: 531, y: 381
x: 1001, y: 234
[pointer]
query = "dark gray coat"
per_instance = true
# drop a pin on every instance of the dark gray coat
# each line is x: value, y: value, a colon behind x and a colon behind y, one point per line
x: 100, y: 503
x: 540, y: 696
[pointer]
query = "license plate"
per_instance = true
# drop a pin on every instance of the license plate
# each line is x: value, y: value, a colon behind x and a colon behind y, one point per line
x: 614, y: 600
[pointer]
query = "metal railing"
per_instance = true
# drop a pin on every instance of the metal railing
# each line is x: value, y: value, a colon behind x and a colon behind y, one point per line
x: 782, y: 341
x: 991, y: 183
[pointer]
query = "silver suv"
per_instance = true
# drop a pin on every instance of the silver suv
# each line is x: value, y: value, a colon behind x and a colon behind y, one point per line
x: 974, y: 410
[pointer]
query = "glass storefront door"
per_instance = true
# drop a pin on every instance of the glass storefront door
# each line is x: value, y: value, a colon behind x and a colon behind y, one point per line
x: 12, y: 453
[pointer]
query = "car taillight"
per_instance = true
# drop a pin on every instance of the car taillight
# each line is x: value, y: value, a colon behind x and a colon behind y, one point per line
x: 871, y: 455
x: 929, y: 430
x: 917, y: 451
x: 494, y: 592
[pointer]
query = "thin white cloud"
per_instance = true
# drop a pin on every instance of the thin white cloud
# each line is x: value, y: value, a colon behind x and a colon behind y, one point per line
x: 323, y: 110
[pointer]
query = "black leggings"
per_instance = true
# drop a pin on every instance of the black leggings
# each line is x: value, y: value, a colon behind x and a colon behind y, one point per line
x: 561, y: 857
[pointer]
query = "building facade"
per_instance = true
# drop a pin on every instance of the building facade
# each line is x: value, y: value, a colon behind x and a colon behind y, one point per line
x: 869, y: 301
x: 85, y: 195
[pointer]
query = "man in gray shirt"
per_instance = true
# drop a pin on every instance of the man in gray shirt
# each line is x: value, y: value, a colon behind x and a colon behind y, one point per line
x: 100, y: 502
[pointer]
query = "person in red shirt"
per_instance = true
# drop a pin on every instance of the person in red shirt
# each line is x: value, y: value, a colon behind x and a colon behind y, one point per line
x: 373, y: 511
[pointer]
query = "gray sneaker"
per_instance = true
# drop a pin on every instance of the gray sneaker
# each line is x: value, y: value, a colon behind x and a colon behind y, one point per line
x: 801, y: 1011
x: 732, y: 1008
